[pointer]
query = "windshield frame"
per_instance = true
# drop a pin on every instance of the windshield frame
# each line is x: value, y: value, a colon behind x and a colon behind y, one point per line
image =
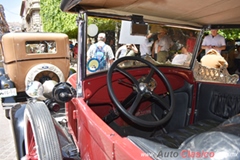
x: 170, y: 26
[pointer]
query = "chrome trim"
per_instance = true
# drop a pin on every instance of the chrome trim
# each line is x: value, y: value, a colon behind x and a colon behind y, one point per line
x: 8, y: 105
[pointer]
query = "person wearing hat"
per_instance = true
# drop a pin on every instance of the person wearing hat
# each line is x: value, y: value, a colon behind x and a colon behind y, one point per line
x: 184, y: 58
x: 163, y: 45
x: 126, y: 50
x: 101, y: 46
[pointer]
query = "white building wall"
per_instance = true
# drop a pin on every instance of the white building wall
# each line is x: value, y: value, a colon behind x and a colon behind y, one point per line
x: 32, y: 16
x: 3, y: 23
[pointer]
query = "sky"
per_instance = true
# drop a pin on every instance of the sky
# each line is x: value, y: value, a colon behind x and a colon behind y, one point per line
x: 12, y: 10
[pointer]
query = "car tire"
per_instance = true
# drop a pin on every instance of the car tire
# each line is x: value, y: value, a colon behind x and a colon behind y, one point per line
x: 41, y: 139
x: 33, y: 72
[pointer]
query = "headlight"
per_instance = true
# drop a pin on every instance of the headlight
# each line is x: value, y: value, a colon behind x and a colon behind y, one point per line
x: 48, y: 88
x: 34, y: 89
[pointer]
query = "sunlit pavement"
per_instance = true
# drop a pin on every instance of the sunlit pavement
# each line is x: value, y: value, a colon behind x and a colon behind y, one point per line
x: 7, y: 150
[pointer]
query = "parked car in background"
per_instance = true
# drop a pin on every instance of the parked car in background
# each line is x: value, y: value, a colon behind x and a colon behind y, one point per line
x: 137, y: 107
x: 31, y: 57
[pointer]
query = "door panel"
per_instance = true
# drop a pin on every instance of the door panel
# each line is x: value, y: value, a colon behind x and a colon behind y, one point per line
x: 217, y: 101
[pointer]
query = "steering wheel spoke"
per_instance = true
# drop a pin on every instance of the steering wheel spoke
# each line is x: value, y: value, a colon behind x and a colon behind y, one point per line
x: 149, y: 76
x: 126, y: 74
x: 159, y: 100
x: 135, y: 104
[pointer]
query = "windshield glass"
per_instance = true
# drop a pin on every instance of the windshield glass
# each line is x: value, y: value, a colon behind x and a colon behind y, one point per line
x: 110, y: 39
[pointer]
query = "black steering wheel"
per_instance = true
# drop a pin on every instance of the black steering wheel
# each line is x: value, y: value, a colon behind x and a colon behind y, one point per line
x: 142, y: 88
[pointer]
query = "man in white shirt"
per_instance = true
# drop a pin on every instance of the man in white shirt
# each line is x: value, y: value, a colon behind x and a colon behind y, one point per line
x: 107, y: 54
x: 214, y: 41
x: 145, y: 47
x: 164, y: 43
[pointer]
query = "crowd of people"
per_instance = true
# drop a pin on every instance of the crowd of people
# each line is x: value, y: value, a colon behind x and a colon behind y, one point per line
x: 159, y: 49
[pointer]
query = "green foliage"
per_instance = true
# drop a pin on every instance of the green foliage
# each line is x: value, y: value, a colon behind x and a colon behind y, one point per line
x: 230, y: 34
x: 103, y: 24
x: 54, y: 20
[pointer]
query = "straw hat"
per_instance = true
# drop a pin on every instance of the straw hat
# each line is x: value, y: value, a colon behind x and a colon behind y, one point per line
x: 162, y: 30
x: 213, y: 51
x: 101, y: 35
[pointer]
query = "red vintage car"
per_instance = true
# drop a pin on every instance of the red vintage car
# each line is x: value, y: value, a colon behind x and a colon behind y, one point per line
x: 162, y: 103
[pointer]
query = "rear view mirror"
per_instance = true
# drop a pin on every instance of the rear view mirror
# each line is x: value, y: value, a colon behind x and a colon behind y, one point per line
x: 139, y: 27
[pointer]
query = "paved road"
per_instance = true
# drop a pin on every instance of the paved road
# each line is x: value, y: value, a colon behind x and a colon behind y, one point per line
x: 7, y: 150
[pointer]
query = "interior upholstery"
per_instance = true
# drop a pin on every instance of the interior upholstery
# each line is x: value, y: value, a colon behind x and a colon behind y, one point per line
x: 175, y: 138
x: 216, y: 101
x: 220, y: 141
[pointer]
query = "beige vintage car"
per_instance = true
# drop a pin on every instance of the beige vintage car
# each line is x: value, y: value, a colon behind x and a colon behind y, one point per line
x: 28, y: 57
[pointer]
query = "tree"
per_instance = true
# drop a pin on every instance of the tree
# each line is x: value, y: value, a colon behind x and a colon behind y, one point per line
x: 105, y: 24
x: 55, y: 20
x: 230, y: 34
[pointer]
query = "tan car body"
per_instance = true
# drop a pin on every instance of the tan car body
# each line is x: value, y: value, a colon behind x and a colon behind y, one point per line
x: 17, y: 61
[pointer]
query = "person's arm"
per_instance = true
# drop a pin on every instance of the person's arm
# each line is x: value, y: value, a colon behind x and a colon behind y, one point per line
x: 214, y: 47
x: 206, y: 47
x: 119, y: 51
x: 89, y: 52
x: 204, y: 44
x: 134, y: 48
x: 219, y: 48
x: 110, y: 55
x: 171, y: 42
x: 199, y: 52
x: 159, y: 48
x: 110, y: 61
x: 236, y: 53
x: 223, y: 45
x: 153, y: 49
x: 161, y: 43
x: 187, y: 43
